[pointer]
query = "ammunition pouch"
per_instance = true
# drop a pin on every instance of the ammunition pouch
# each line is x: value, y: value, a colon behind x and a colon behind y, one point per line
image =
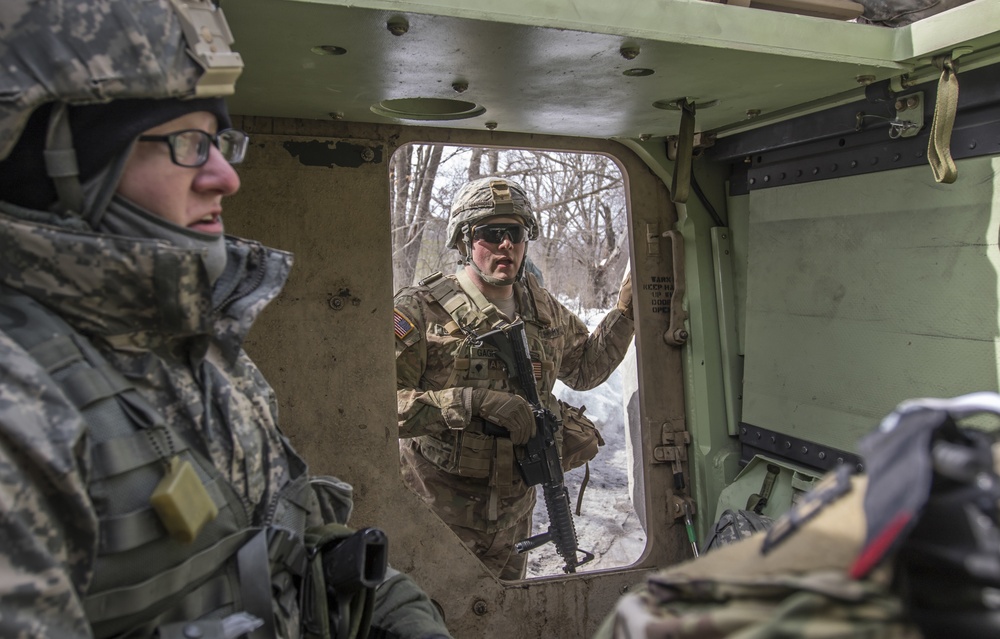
x: 466, y: 453
x: 344, y: 569
x: 580, y: 437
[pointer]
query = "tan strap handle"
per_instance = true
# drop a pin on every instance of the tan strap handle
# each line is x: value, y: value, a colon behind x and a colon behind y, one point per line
x: 945, y: 109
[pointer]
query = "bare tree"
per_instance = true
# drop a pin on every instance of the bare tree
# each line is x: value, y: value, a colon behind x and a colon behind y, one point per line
x: 578, y: 199
x: 412, y: 171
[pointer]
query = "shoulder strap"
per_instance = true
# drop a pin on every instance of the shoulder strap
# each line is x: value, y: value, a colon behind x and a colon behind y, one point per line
x: 448, y: 292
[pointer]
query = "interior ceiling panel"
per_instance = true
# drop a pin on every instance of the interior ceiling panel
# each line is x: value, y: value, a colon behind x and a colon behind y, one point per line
x: 548, y: 69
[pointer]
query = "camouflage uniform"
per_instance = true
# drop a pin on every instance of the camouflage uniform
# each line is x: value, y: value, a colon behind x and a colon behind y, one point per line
x: 469, y: 479
x: 150, y: 313
x: 910, y: 549
x: 801, y: 589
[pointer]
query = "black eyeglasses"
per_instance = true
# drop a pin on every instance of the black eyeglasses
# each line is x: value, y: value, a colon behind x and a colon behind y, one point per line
x: 190, y: 148
x: 495, y: 233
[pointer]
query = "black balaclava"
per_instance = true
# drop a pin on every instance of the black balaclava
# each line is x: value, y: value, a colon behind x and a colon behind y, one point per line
x: 103, y: 136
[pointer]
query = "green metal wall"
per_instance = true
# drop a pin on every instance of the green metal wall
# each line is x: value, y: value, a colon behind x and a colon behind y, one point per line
x: 866, y: 291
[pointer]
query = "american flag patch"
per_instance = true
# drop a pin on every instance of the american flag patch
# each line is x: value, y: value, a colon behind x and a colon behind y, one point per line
x: 401, y: 325
x: 536, y: 367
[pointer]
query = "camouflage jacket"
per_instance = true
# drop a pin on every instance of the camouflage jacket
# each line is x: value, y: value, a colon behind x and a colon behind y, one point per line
x: 470, y: 479
x: 149, y: 311
x: 798, y: 588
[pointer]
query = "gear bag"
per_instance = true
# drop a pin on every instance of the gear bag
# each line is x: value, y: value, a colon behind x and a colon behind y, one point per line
x: 580, y: 437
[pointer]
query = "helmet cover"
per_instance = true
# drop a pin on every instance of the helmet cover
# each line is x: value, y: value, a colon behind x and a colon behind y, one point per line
x: 86, y: 52
x: 489, y: 197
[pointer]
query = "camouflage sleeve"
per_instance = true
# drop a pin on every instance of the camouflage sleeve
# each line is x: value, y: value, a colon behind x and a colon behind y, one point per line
x: 48, y: 527
x: 590, y: 358
x: 421, y: 411
x: 403, y: 610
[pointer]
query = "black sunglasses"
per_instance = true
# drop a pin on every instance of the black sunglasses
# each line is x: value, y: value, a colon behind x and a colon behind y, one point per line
x: 495, y: 233
x: 190, y: 148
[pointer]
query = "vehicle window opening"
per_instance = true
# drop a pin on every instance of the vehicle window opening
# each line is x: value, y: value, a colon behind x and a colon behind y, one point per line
x: 580, y: 255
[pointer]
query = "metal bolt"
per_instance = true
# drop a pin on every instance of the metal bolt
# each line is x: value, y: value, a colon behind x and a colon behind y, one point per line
x: 337, y: 115
x: 743, y: 430
x: 397, y: 26
x: 752, y: 113
x: 460, y: 86
x: 912, y: 101
x: 367, y: 154
x: 900, y: 105
x: 645, y: 136
x: 479, y: 607
x: 629, y: 53
x: 805, y: 450
x: 865, y: 80
x: 491, y: 125
x: 788, y: 445
x: 336, y: 303
x: 821, y: 455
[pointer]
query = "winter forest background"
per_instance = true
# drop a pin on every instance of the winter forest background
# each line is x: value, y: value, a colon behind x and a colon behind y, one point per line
x: 582, y: 253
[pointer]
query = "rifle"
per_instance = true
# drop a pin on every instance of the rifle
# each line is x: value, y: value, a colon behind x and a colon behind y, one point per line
x: 539, y: 462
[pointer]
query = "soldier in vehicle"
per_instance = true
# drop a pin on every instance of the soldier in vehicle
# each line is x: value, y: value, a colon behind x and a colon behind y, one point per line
x: 145, y: 487
x: 908, y: 550
x: 449, y: 389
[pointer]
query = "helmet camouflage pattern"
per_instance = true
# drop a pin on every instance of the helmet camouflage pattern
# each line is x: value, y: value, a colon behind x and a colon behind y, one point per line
x: 488, y: 197
x: 78, y: 52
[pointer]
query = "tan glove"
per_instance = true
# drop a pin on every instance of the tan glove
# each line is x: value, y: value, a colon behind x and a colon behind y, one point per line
x: 506, y: 410
x: 625, y: 294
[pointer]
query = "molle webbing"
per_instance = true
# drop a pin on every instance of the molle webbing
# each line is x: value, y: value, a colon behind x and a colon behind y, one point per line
x: 447, y: 293
x: 142, y: 577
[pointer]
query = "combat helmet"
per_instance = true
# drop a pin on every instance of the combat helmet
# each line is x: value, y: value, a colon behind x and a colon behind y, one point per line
x: 68, y: 52
x: 484, y: 198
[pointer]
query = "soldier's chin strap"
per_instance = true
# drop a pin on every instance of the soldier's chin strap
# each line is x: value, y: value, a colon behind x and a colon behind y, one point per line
x: 87, y: 201
x: 60, y: 160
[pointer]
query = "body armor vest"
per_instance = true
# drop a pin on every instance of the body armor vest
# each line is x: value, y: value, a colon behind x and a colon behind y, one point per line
x: 470, y: 453
x: 144, y: 578
x: 479, y: 364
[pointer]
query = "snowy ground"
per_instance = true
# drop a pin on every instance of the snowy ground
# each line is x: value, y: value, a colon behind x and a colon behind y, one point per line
x: 608, y: 525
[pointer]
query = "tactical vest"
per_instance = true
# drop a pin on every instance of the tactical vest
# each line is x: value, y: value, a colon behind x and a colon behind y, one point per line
x: 482, y: 365
x: 143, y: 578
x: 470, y: 453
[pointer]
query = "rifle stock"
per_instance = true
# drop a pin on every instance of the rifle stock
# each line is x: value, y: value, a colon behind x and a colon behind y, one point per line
x: 539, y: 462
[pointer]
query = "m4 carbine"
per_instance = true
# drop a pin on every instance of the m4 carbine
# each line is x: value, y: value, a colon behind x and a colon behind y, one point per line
x: 539, y: 462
